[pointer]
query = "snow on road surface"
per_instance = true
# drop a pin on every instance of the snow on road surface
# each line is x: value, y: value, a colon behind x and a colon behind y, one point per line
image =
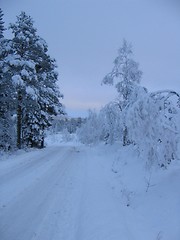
x: 39, y: 196
x: 77, y: 193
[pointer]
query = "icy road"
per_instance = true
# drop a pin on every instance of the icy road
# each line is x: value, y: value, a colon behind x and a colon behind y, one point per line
x: 57, y: 193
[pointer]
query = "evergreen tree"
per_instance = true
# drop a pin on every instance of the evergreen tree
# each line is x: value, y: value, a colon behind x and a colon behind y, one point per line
x: 6, y: 93
x: 35, y: 78
x: 2, y: 28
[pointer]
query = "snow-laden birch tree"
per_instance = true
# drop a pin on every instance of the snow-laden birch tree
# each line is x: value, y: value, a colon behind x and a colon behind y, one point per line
x: 153, y: 123
x: 126, y: 76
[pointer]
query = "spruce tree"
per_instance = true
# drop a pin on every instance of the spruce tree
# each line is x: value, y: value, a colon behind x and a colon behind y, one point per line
x: 23, y: 68
x: 35, y: 79
x: 7, y: 131
x: 2, y: 28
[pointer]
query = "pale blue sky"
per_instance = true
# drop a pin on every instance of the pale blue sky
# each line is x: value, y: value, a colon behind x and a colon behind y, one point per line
x: 84, y: 36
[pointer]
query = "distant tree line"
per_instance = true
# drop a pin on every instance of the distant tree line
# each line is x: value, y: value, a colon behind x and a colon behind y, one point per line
x: 67, y: 124
x: 149, y: 121
x: 29, y: 95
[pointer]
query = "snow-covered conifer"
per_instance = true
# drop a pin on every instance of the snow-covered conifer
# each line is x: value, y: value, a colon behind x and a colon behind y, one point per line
x: 2, y: 28
x: 7, y: 130
x: 35, y: 79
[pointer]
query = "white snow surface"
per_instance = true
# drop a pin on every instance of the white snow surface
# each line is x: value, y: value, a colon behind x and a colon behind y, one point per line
x: 69, y: 191
x: 17, y: 80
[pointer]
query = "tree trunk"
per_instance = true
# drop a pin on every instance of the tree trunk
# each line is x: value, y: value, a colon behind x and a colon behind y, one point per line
x: 19, y: 121
x: 125, y: 136
x: 42, y: 143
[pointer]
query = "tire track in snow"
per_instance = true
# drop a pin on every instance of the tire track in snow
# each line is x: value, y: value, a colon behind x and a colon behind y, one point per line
x: 20, y: 219
x: 30, y: 173
x: 29, y: 162
x: 69, y: 198
x: 62, y: 219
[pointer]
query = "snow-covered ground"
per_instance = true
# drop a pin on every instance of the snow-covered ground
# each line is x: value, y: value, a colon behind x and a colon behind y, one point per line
x: 75, y: 192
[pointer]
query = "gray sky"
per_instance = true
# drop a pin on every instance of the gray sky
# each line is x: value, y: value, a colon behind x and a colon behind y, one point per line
x: 84, y: 36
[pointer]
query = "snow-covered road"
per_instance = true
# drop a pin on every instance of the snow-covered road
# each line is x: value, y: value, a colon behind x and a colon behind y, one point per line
x: 71, y: 193
x: 37, y: 194
x: 57, y: 193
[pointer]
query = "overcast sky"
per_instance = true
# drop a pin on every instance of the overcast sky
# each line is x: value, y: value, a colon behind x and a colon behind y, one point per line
x: 84, y: 36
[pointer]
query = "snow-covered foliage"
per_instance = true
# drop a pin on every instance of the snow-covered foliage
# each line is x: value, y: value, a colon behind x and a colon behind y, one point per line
x: 148, y: 120
x: 110, y: 118
x: 2, y: 28
x: 104, y: 126
x: 7, y: 130
x: 63, y: 123
x: 29, y: 79
x: 125, y: 73
x: 126, y: 76
x: 153, y: 125
x: 89, y: 133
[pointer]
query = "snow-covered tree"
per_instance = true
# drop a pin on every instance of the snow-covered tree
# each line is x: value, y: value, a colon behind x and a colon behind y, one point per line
x: 89, y: 133
x: 126, y: 76
x: 125, y: 73
x: 153, y: 124
x: 105, y: 126
x: 110, y: 118
x: 2, y: 28
x: 148, y: 120
x: 7, y: 135
x: 35, y: 79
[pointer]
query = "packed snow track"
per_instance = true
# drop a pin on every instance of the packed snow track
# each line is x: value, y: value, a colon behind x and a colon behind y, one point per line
x: 75, y: 192
x: 56, y: 193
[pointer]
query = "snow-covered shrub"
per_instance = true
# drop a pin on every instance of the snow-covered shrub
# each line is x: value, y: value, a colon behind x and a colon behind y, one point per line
x: 105, y: 126
x: 111, y: 123
x: 66, y: 136
x: 90, y: 131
